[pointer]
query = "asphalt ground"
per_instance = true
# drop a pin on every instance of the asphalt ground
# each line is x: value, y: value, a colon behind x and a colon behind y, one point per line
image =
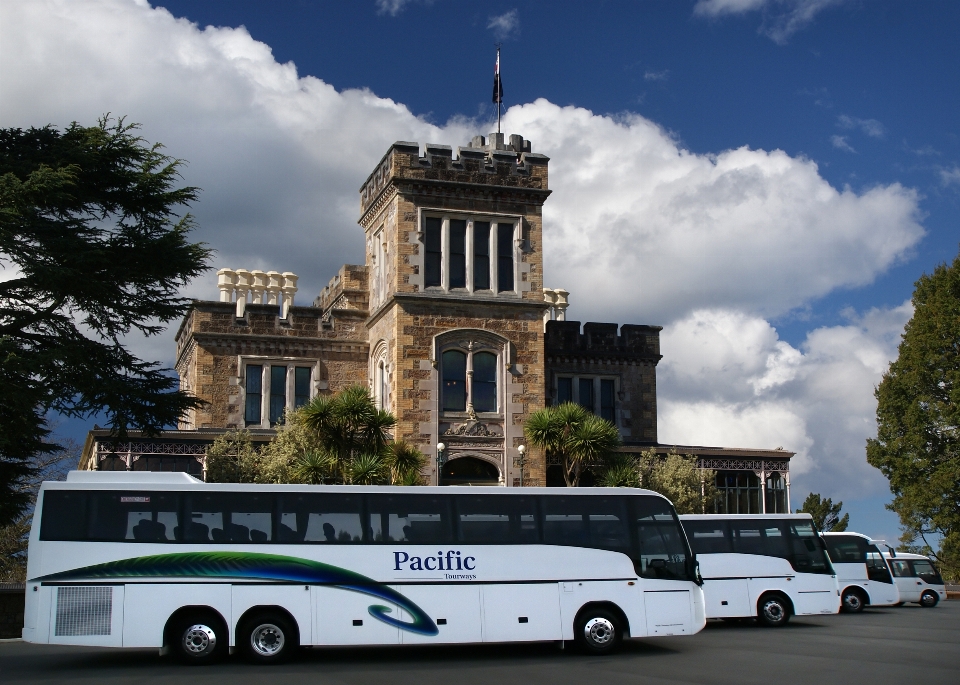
x: 903, y: 645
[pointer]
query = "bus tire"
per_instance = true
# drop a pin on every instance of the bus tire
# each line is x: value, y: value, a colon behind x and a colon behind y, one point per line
x: 773, y: 610
x: 852, y: 600
x: 268, y: 637
x: 198, y: 638
x: 597, y: 631
x: 929, y: 599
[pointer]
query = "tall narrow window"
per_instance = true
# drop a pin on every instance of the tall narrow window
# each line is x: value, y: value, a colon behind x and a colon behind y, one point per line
x: 454, y: 381
x: 301, y: 386
x: 382, y: 385
x: 586, y: 394
x: 380, y: 282
x: 278, y: 393
x: 504, y: 257
x: 254, y: 392
x: 484, y: 382
x: 608, y: 401
x: 564, y: 390
x: 458, y: 253
x: 433, y: 255
x: 481, y: 255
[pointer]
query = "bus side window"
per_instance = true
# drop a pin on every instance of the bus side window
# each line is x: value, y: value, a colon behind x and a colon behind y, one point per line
x: 418, y: 519
x: 495, y: 519
x: 321, y: 517
x: 708, y: 537
x: 901, y: 568
x: 808, y: 547
x: 119, y: 516
x: 229, y: 517
x: 64, y: 515
x: 596, y: 521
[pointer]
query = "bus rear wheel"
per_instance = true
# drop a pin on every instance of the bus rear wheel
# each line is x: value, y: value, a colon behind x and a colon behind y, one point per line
x: 852, y: 600
x: 268, y: 638
x: 773, y: 610
x: 597, y: 631
x: 199, y: 639
x: 929, y: 599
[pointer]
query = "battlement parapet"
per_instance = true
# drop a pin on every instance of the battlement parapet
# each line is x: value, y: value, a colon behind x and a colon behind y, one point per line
x: 563, y: 338
x: 488, y: 161
x: 345, y: 291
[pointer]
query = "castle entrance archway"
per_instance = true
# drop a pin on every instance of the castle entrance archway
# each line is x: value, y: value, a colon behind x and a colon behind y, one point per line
x: 469, y: 471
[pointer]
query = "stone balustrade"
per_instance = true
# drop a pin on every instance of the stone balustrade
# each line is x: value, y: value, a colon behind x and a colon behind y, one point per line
x: 257, y: 287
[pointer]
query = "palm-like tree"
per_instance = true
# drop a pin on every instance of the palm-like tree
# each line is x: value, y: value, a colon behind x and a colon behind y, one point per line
x: 575, y: 435
x: 314, y: 468
x: 349, y: 425
x: 405, y: 461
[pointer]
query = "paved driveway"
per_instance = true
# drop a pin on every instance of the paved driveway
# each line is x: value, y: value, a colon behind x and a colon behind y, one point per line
x: 898, y: 645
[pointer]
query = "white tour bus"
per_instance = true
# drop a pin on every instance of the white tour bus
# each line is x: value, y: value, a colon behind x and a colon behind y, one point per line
x: 917, y: 579
x: 768, y: 566
x: 163, y: 560
x: 861, y: 571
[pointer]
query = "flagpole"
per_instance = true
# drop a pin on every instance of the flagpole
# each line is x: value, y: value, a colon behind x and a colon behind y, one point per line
x: 500, y: 98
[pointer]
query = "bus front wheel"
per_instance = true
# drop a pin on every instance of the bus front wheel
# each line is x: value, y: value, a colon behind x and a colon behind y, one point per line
x: 852, y: 601
x: 773, y: 610
x: 598, y: 631
x: 929, y: 599
x: 268, y: 638
x: 199, y: 639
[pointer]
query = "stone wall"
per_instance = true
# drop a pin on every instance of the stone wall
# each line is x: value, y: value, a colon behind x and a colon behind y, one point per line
x: 630, y: 357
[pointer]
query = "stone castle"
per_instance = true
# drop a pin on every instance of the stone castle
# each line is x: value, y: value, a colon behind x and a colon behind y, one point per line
x: 447, y: 322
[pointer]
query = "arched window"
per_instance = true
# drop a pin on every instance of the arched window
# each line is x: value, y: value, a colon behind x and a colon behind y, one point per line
x: 484, y: 382
x: 454, y: 380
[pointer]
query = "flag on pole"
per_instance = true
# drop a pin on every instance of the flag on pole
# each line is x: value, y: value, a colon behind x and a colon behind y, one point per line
x: 497, y: 85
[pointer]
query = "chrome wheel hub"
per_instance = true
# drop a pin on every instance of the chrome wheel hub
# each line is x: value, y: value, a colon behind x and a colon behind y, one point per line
x: 773, y: 611
x: 599, y: 631
x: 199, y: 639
x: 267, y: 639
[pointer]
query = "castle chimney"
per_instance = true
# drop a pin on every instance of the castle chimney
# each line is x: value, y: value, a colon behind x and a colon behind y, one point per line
x: 274, y: 283
x: 259, y: 286
x: 289, y: 290
x: 244, y: 281
x: 226, y: 280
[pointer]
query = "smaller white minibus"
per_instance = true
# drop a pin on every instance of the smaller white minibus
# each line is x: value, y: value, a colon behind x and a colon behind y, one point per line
x: 768, y: 566
x: 917, y: 579
x: 862, y: 572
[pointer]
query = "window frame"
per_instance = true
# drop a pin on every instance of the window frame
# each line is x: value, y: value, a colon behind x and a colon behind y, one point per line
x: 575, y: 380
x: 470, y: 253
x: 290, y: 397
x: 469, y: 349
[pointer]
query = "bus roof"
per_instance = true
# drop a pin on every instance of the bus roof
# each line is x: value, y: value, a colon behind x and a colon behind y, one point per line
x: 152, y: 480
x: 740, y: 517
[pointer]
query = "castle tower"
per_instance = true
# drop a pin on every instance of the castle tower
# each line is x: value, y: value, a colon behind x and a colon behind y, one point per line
x: 455, y: 274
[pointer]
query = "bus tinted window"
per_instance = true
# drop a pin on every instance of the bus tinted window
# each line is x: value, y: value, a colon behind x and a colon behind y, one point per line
x: 64, y: 515
x: 708, y: 537
x: 926, y: 571
x: 321, y: 517
x: 494, y: 519
x: 901, y: 568
x: 662, y: 547
x: 845, y: 549
x: 876, y: 566
x: 134, y: 516
x: 808, y: 548
x: 230, y: 517
x: 586, y: 521
x: 763, y: 537
x: 418, y: 519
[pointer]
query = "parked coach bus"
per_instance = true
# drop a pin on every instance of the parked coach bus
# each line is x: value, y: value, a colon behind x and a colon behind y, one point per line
x: 163, y: 560
x: 768, y: 566
x: 917, y: 579
x: 861, y: 571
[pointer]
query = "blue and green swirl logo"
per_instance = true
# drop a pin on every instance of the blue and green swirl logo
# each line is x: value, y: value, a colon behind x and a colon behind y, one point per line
x: 255, y: 566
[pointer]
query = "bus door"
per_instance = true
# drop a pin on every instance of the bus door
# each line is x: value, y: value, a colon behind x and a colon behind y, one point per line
x: 909, y: 587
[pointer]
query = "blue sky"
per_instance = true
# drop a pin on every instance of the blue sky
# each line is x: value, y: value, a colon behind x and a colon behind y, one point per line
x: 764, y: 178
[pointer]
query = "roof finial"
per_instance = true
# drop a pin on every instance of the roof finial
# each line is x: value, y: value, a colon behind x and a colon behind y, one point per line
x: 497, y: 87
